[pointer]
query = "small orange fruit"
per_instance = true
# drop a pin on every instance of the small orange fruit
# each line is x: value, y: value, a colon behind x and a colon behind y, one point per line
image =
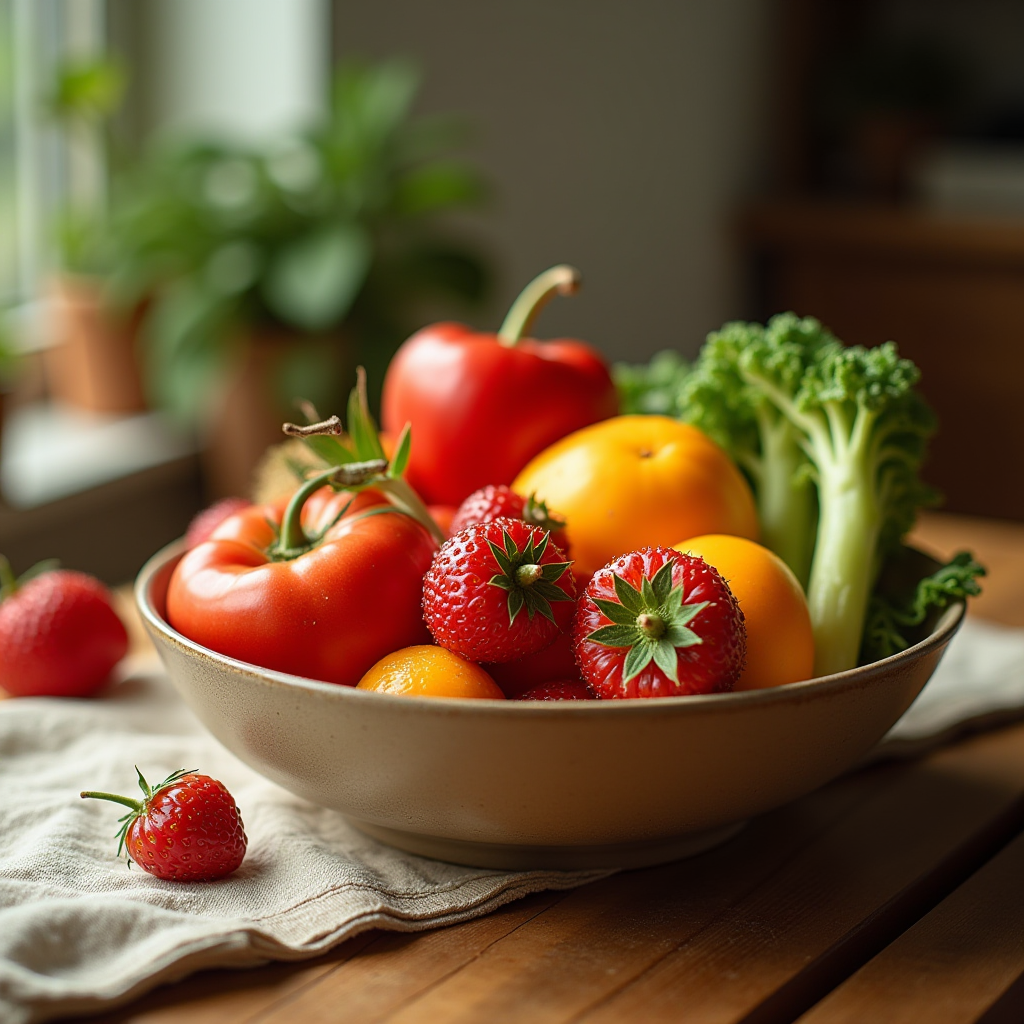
x: 780, y: 643
x: 426, y: 671
x: 638, y: 481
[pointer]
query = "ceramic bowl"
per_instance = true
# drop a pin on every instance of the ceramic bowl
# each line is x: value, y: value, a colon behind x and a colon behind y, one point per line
x: 517, y: 784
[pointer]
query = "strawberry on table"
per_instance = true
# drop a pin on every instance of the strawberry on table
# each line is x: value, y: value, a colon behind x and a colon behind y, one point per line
x: 497, y: 500
x: 187, y: 829
x: 59, y: 633
x: 658, y: 623
x: 498, y: 591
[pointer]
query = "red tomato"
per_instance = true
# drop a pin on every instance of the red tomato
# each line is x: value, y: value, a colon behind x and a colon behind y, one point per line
x: 328, y: 613
x: 482, y: 405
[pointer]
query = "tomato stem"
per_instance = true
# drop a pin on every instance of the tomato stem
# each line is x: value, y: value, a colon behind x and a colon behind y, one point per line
x: 560, y: 280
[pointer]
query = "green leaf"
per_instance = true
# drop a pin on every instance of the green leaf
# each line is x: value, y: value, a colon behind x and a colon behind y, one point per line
x: 501, y: 581
x: 637, y: 660
x: 686, y: 613
x: 503, y: 560
x: 312, y: 282
x: 665, y: 658
x: 554, y: 571
x: 402, y: 450
x: 628, y: 597
x: 681, y: 636
x: 548, y: 591
x: 438, y: 186
x: 616, y: 612
x: 330, y: 449
x: 662, y: 582
x: 615, y: 636
x: 650, y: 599
x: 361, y: 427
x: 516, y: 602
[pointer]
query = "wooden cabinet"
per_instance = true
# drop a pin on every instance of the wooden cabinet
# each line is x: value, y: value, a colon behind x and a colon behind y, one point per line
x: 950, y: 292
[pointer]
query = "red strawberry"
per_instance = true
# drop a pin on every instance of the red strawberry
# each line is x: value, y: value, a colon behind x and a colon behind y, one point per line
x: 658, y: 623
x: 205, y: 522
x: 489, y: 593
x: 560, y: 689
x: 556, y: 661
x: 59, y: 634
x: 498, y: 500
x: 187, y: 829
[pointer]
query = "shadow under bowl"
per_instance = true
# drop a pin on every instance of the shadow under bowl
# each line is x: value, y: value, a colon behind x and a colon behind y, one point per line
x: 520, y: 784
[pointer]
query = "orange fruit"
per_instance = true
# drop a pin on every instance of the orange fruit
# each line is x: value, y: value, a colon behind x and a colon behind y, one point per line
x: 780, y: 643
x: 426, y: 671
x: 637, y: 481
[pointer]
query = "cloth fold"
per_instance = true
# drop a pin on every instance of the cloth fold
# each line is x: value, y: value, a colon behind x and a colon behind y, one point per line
x: 80, y: 932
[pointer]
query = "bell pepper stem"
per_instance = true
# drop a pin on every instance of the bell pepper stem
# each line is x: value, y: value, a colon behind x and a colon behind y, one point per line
x: 560, y: 280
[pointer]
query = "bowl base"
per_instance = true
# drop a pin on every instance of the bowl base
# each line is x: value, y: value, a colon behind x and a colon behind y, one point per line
x: 516, y: 857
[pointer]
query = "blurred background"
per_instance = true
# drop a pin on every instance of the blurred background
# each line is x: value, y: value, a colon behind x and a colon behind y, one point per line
x: 208, y: 207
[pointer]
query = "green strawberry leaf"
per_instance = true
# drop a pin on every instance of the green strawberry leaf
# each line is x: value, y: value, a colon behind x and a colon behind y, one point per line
x: 666, y: 659
x: 616, y: 636
x: 629, y: 598
x: 616, y: 612
x: 661, y: 585
x: 637, y: 660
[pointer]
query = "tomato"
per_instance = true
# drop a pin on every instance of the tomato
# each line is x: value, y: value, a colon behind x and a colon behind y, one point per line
x: 780, y: 642
x: 638, y: 481
x: 327, y: 610
x: 482, y: 405
x: 426, y: 671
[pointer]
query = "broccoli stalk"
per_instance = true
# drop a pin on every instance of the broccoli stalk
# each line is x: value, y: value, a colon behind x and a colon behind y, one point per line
x: 863, y: 428
x: 716, y: 398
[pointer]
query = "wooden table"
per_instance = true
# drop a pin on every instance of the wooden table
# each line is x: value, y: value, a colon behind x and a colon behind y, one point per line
x: 894, y: 894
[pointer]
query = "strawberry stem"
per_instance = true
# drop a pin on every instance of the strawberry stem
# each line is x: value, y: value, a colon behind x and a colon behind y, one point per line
x: 560, y: 280
x: 652, y: 625
x: 135, y: 805
x: 528, y: 574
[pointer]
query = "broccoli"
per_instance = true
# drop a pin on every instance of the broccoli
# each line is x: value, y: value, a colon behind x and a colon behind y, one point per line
x: 864, y: 430
x: 762, y: 440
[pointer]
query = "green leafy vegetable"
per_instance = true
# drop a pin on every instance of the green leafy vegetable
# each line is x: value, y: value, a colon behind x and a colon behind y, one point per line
x: 888, y: 621
x: 653, y: 387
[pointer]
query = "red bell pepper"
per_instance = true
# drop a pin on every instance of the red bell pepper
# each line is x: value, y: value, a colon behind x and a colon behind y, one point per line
x: 482, y: 405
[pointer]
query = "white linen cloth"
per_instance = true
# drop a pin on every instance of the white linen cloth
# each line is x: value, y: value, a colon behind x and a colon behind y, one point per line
x: 79, y: 931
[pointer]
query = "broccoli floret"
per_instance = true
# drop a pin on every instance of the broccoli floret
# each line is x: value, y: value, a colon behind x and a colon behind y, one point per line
x: 652, y: 387
x: 864, y: 429
x: 718, y: 399
x: 888, y: 621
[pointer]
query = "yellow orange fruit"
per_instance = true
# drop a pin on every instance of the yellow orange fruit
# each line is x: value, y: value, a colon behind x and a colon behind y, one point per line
x: 634, y: 481
x: 426, y: 671
x: 780, y: 643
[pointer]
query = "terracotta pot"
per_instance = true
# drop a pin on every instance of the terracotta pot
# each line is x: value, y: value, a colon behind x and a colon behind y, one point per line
x: 246, y: 418
x: 93, y: 363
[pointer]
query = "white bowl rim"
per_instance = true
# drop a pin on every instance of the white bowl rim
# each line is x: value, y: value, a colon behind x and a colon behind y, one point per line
x: 949, y: 622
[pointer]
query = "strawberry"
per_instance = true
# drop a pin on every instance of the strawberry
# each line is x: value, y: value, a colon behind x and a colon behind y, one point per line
x: 59, y: 633
x: 498, y: 500
x: 489, y: 593
x: 559, y: 689
x: 187, y: 829
x: 658, y: 623
x: 205, y: 522
x: 556, y: 661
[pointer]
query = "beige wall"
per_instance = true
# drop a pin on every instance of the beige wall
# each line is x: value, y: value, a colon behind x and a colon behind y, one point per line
x: 618, y: 135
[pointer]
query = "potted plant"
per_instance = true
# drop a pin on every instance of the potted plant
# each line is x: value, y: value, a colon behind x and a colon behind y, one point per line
x: 92, y: 362
x: 273, y: 272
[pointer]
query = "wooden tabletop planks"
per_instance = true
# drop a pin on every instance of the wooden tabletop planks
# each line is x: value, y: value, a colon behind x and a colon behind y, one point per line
x: 956, y: 961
